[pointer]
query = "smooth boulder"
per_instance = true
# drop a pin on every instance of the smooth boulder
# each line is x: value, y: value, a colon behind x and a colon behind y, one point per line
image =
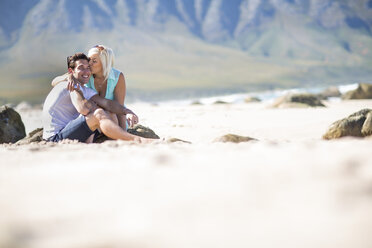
x: 364, y: 91
x: 12, y: 128
x: 233, y: 138
x: 298, y: 101
x: 358, y: 124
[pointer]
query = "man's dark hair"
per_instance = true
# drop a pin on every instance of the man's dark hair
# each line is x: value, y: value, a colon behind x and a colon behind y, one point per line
x: 71, y: 60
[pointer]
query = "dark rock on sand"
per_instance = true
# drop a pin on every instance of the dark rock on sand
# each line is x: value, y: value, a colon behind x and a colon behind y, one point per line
x: 298, y: 100
x: 138, y: 130
x: 220, y: 102
x: 196, y: 103
x: 12, y: 128
x: 34, y: 136
x: 252, y: 99
x: 364, y: 91
x: 234, y: 138
x: 358, y: 124
x: 143, y: 131
x: 174, y: 140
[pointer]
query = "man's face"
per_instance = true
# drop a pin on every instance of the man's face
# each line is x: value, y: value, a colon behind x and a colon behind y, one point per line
x: 81, y: 71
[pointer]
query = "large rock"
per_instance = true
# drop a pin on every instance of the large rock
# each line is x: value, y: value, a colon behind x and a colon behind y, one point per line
x: 233, y: 138
x: 298, y: 101
x: 364, y: 91
x: 358, y: 124
x: 12, y: 128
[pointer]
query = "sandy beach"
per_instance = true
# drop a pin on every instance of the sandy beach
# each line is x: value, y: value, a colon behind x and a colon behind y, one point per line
x: 289, y: 188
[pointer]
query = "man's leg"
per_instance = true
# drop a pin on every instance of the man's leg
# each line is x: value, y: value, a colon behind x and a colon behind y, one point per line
x: 75, y: 130
x: 101, y: 119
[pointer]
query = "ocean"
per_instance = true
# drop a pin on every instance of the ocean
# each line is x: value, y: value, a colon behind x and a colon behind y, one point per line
x: 265, y: 96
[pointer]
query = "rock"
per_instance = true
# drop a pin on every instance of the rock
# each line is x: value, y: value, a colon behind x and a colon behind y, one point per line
x: 332, y: 91
x: 298, y: 101
x: 367, y: 125
x: 220, y: 102
x: 34, y: 136
x: 234, y: 138
x: 364, y: 91
x: 142, y: 131
x: 12, y: 128
x: 358, y: 124
x: 196, y: 103
x: 173, y: 140
x: 252, y: 99
x: 138, y: 130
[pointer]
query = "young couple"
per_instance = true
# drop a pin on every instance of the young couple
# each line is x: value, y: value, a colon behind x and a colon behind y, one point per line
x: 80, y: 104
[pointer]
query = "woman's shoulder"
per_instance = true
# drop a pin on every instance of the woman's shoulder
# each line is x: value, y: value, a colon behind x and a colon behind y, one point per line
x: 115, y: 70
x: 116, y: 73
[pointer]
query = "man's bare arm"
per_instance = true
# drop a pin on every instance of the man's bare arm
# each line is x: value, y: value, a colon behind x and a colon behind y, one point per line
x: 82, y: 105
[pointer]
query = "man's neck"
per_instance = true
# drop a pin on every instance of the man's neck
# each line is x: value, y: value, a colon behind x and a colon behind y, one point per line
x: 99, y: 76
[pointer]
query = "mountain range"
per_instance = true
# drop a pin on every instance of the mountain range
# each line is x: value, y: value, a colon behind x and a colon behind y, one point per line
x: 185, y: 47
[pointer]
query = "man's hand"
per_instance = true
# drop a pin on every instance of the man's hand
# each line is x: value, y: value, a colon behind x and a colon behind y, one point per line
x: 132, y: 119
x: 73, y: 84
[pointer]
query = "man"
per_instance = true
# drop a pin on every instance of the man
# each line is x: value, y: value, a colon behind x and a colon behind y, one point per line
x: 73, y: 111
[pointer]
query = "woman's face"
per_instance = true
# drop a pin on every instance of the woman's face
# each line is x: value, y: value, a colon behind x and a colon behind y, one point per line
x: 95, y: 64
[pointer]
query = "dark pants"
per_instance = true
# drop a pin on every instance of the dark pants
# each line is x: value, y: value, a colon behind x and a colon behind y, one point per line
x: 75, y: 130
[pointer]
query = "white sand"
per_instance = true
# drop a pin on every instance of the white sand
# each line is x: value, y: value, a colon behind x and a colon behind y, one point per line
x: 289, y: 189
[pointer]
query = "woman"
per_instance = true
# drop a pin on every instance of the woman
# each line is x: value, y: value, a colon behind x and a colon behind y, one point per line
x: 106, y: 80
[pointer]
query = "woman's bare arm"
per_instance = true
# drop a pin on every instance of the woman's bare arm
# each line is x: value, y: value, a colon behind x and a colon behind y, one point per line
x: 59, y: 79
x: 119, y: 96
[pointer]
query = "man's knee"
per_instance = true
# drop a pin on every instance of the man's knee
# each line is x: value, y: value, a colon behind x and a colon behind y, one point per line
x: 100, y: 114
x: 113, y: 117
x: 94, y: 118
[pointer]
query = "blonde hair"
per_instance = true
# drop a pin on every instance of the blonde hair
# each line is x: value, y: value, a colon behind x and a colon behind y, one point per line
x: 106, y: 55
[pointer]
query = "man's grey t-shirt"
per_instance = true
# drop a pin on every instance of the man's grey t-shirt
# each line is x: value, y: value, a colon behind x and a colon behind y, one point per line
x: 58, y: 109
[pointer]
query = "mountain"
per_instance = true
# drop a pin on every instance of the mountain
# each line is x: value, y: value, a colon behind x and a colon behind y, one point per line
x: 187, y: 47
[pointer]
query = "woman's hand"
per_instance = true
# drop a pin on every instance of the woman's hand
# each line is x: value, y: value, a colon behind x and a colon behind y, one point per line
x: 132, y: 119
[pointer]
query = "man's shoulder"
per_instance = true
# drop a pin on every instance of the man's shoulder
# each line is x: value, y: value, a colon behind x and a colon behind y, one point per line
x: 88, y: 89
x: 88, y: 92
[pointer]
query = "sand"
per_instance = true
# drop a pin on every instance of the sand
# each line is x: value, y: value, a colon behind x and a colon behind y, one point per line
x: 288, y: 189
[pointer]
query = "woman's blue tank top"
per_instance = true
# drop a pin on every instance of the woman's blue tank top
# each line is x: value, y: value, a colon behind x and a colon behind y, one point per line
x: 112, y: 81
